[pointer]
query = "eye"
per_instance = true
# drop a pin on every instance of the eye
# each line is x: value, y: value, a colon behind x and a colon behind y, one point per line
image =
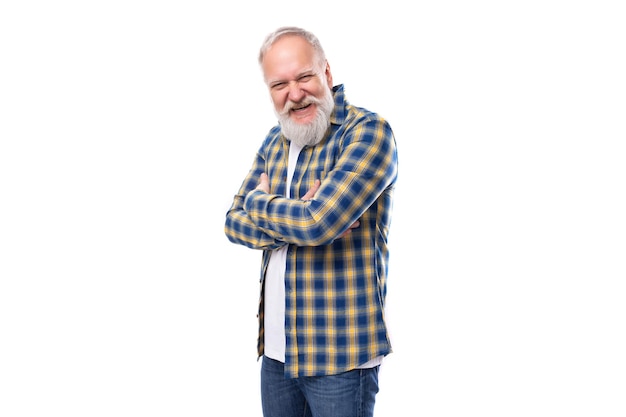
x: 306, y: 78
x: 278, y: 85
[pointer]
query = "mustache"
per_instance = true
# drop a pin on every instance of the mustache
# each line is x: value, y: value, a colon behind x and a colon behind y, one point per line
x: 302, y: 103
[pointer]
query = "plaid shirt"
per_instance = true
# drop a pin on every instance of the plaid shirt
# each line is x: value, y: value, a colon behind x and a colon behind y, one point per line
x: 334, y: 288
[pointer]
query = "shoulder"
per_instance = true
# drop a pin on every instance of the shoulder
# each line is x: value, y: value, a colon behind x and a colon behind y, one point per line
x: 273, y: 137
x: 347, y: 114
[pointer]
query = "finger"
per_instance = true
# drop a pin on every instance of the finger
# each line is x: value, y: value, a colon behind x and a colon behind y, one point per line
x: 313, y: 190
x: 264, y: 183
x: 309, y: 194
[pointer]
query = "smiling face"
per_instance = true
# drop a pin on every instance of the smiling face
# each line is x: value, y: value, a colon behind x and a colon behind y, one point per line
x: 296, y: 80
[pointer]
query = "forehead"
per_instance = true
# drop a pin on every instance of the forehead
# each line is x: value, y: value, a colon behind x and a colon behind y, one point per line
x: 288, y: 56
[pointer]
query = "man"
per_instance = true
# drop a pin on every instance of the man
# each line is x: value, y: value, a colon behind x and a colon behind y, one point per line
x: 318, y: 202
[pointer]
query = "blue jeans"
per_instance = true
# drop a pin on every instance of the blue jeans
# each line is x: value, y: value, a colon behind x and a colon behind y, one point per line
x: 349, y: 394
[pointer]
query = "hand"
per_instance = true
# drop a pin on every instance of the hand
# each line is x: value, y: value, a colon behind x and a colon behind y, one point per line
x: 309, y: 194
x: 347, y: 232
x: 264, y: 183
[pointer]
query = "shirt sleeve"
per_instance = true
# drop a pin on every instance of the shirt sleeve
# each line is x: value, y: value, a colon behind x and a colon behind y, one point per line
x: 239, y: 227
x: 365, y: 167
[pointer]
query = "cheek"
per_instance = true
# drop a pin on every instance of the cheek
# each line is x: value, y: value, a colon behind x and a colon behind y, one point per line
x: 318, y: 91
x: 278, y: 100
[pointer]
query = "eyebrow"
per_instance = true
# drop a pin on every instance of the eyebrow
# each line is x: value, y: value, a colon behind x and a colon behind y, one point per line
x: 300, y: 75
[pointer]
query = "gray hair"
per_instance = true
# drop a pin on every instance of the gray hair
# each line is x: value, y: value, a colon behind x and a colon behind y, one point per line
x: 293, y: 31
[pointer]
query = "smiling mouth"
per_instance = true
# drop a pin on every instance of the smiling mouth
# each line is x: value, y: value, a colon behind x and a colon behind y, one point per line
x: 301, y: 107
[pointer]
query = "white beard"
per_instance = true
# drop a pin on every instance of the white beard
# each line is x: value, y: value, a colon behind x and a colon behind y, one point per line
x: 312, y: 133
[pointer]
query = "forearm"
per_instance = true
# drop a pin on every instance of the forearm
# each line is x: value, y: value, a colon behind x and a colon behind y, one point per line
x: 288, y: 220
x: 366, y: 168
x: 241, y: 230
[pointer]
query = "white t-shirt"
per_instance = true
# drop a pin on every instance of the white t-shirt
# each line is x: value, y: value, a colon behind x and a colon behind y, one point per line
x: 275, y: 284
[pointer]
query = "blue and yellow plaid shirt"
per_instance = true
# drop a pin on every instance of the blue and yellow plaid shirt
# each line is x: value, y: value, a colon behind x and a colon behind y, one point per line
x: 334, y: 288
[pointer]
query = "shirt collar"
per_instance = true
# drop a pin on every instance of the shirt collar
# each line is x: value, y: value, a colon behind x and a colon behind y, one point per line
x: 339, y: 111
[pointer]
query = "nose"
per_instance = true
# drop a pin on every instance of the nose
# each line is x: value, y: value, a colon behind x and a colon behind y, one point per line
x: 295, y: 92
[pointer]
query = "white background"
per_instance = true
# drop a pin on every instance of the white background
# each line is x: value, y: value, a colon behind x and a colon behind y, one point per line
x: 127, y: 126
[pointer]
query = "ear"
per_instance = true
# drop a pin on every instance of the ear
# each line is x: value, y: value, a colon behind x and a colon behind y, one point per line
x: 329, y: 76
